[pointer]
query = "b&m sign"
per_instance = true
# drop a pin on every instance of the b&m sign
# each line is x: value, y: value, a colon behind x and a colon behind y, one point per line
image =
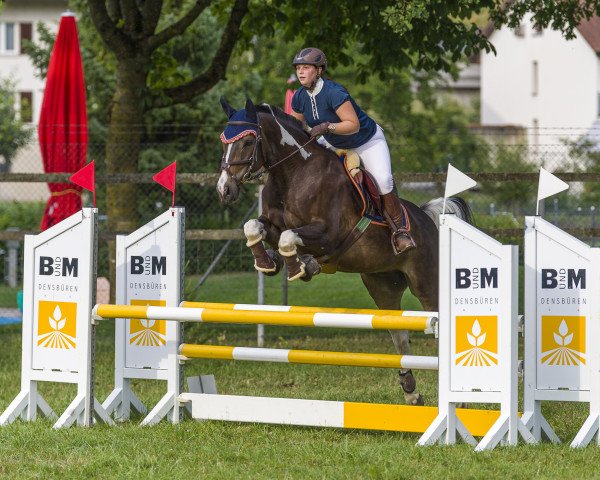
x: 476, y: 313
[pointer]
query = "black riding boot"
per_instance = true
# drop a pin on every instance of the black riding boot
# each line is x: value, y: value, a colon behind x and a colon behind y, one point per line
x: 394, y: 213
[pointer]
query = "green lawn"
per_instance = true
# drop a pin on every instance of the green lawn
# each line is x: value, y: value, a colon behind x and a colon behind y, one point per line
x: 228, y: 450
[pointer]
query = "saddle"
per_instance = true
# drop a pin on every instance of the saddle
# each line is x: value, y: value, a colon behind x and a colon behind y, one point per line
x: 365, y: 186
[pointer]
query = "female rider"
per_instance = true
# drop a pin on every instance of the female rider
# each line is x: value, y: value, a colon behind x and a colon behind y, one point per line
x: 330, y: 111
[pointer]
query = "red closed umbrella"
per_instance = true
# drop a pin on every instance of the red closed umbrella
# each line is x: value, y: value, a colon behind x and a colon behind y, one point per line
x: 62, y: 130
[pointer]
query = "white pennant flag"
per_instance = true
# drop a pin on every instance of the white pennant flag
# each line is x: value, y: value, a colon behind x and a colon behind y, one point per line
x: 549, y: 185
x: 456, y: 182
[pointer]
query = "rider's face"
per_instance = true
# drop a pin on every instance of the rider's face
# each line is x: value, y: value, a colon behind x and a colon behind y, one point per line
x: 307, y: 74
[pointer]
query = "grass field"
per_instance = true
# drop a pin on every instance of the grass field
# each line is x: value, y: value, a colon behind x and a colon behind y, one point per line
x: 228, y: 450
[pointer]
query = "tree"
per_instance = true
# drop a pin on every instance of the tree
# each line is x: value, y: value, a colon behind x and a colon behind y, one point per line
x: 14, y: 134
x: 423, y: 34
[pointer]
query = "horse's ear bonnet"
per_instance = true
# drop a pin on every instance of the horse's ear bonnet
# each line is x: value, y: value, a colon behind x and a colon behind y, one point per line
x: 228, y: 109
x: 233, y: 133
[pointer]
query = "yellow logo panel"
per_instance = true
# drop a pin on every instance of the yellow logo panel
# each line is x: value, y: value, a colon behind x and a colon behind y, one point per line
x: 57, y: 324
x: 148, y: 333
x: 563, y: 340
x: 476, y: 340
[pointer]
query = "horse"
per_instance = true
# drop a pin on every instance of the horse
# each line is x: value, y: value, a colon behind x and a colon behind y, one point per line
x: 310, y: 213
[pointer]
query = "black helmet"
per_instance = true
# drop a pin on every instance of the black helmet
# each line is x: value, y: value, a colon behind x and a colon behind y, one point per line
x: 310, y: 56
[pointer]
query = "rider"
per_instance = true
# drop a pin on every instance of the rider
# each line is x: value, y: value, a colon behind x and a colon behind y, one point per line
x: 329, y: 109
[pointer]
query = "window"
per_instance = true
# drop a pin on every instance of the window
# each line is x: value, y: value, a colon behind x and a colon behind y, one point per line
x: 9, y: 37
x: 534, y: 78
x: 26, y: 34
x: 26, y: 106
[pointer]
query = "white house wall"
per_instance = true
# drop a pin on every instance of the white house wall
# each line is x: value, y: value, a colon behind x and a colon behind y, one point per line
x: 568, y: 86
x: 21, y: 71
x: 19, y: 67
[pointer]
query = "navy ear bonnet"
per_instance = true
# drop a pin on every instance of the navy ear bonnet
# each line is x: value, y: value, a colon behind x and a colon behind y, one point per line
x: 233, y: 133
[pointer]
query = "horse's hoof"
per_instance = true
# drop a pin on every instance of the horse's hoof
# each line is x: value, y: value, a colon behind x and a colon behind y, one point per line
x: 311, y: 267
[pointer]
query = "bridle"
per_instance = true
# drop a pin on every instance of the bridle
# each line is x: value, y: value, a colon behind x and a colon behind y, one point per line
x: 252, y: 173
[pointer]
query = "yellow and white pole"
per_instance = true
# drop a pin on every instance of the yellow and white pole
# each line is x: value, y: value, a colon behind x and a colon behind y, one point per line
x: 308, y: 357
x: 382, y: 320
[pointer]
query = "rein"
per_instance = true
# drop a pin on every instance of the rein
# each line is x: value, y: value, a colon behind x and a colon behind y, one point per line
x: 293, y: 153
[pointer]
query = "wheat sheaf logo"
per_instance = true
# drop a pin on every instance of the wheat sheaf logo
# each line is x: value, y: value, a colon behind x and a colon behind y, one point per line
x: 476, y: 341
x: 57, y: 325
x: 148, y: 333
x: 563, y: 345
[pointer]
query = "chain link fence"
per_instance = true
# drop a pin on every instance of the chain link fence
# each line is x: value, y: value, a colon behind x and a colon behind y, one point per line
x: 501, y: 200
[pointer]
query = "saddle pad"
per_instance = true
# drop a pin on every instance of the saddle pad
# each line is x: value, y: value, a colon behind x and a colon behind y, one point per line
x: 365, y: 186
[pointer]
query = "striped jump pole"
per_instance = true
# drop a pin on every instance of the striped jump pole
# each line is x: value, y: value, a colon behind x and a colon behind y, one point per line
x: 379, y: 321
x: 308, y: 357
x: 427, y: 319
x: 328, y: 413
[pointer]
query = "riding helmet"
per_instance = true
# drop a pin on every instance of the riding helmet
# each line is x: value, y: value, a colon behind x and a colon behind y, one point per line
x: 310, y: 56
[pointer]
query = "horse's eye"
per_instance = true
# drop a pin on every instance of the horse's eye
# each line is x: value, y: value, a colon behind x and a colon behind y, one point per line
x: 247, y: 143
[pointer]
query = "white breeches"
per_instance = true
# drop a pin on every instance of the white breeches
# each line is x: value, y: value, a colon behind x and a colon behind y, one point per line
x: 375, y: 158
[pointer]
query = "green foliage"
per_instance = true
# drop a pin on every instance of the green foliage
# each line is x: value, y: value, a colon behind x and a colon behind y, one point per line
x: 23, y: 215
x: 39, y: 53
x: 14, y: 134
x: 429, y: 35
x: 585, y: 156
x: 514, y: 159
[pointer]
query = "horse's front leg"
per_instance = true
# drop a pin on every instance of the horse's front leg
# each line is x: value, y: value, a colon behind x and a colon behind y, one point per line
x: 267, y: 261
x: 312, y: 236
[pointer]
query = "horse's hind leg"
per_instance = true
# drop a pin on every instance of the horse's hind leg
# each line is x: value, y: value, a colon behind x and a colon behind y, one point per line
x: 386, y: 289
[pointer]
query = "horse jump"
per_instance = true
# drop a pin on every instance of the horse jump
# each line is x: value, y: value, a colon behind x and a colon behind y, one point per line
x: 294, y: 411
x: 465, y: 284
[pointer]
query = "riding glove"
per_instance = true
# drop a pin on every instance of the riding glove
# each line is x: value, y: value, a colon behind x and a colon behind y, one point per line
x: 320, y: 129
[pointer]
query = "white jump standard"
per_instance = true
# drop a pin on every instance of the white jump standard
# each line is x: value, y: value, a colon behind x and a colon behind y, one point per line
x: 58, y: 346
x: 149, y: 272
x: 562, y: 315
x: 478, y: 334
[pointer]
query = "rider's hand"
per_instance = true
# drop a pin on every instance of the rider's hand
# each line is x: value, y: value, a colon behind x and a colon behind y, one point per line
x: 320, y: 129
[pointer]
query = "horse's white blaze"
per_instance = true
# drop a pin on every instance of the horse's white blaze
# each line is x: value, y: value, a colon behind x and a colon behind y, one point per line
x: 288, y: 241
x: 223, y: 179
x: 254, y: 231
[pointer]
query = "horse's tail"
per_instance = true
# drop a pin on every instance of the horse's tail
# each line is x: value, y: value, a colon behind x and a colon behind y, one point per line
x: 454, y: 205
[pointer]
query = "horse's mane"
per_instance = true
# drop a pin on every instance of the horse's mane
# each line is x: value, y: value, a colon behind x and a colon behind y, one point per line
x: 284, y: 118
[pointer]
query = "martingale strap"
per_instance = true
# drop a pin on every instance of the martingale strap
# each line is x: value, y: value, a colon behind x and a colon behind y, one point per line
x: 352, y: 237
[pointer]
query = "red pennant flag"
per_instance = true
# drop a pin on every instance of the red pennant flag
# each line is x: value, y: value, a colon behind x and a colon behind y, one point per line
x: 166, y: 178
x: 86, y: 178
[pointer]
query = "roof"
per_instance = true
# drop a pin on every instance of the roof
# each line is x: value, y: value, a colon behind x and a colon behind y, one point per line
x: 590, y: 30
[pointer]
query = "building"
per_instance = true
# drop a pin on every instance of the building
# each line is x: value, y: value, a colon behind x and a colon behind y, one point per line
x: 18, y: 22
x: 544, y: 83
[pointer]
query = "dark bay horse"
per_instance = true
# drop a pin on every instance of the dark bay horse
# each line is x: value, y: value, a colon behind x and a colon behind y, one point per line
x: 311, y: 208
